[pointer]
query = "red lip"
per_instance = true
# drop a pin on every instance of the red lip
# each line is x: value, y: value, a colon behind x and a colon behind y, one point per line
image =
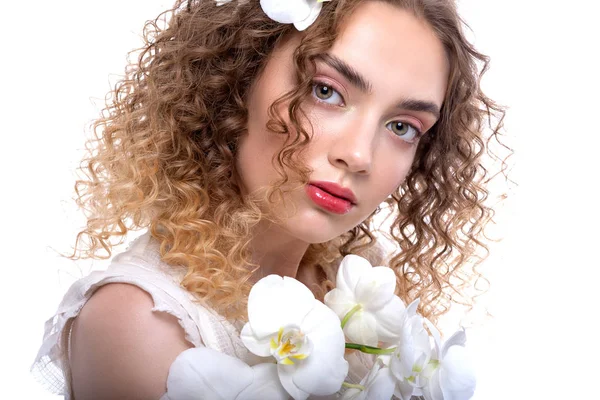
x: 336, y: 190
x: 331, y: 197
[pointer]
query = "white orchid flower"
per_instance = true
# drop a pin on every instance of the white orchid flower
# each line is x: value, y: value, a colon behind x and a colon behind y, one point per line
x: 303, y: 336
x: 450, y: 375
x: 203, y: 373
x: 301, y: 13
x: 365, y: 302
x: 412, y: 354
x: 379, y: 384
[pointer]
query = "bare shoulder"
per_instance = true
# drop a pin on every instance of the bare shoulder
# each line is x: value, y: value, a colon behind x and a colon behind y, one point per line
x: 120, y: 348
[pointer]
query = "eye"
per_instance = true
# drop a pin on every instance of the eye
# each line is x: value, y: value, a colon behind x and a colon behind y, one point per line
x: 404, y: 131
x: 325, y: 93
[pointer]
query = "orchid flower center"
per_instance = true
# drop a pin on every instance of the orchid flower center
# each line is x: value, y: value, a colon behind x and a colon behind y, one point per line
x: 290, y: 344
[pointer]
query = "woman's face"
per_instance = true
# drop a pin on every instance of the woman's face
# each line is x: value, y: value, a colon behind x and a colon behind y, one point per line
x: 375, y: 92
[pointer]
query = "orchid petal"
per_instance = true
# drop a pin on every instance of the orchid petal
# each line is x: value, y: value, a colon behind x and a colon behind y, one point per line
x: 375, y: 288
x: 437, y: 339
x: 385, y: 359
x: 286, y: 377
x: 361, y: 329
x: 457, y: 379
x: 382, y: 386
x: 389, y: 320
x: 411, y: 310
x: 404, y: 390
x: 261, y: 347
x: 286, y: 11
x: 403, y: 360
x: 321, y: 374
x: 354, y: 394
x: 199, y: 373
x: 266, y: 385
x: 324, y: 371
x: 340, y: 302
x: 459, y: 338
x: 453, y: 378
x: 420, y: 335
x: 378, y: 384
x: 433, y: 391
x: 321, y: 323
x: 351, y: 269
x: 414, y: 349
x: 266, y: 310
x: 315, y: 9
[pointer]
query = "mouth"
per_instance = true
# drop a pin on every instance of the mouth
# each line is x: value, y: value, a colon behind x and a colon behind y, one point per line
x: 331, y: 196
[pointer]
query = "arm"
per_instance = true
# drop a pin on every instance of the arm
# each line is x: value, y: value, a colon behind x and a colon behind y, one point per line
x: 120, y: 348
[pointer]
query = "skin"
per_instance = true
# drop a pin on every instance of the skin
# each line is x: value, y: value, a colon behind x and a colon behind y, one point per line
x: 353, y: 144
x: 120, y: 348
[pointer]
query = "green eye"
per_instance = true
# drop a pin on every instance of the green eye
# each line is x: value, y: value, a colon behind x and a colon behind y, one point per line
x: 404, y: 131
x: 327, y: 94
x: 400, y: 128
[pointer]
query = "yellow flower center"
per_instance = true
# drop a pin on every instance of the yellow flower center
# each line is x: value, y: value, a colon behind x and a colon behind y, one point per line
x: 290, y: 344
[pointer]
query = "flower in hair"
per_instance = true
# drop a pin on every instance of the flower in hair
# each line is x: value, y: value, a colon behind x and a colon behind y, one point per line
x: 301, y: 13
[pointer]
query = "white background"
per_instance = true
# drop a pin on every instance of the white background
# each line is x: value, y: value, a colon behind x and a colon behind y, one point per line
x: 56, y: 57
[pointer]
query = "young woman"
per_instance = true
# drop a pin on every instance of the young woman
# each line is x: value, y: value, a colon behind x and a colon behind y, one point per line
x: 248, y: 146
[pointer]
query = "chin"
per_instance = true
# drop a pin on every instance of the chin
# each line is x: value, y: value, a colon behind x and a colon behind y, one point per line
x: 315, y: 227
x: 314, y: 237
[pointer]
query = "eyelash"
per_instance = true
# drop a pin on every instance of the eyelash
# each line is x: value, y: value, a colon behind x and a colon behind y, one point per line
x: 317, y: 83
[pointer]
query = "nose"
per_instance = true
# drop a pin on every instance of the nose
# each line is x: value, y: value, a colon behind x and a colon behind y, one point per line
x: 354, y: 146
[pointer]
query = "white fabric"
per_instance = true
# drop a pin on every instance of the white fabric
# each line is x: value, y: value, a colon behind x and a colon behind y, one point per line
x: 141, y: 265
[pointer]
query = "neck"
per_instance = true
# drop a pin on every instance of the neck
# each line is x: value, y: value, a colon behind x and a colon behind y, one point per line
x: 275, y: 251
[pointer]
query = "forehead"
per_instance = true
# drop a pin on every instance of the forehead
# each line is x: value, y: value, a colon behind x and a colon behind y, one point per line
x: 394, y: 49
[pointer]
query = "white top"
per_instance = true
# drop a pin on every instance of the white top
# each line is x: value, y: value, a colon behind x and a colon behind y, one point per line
x: 141, y: 265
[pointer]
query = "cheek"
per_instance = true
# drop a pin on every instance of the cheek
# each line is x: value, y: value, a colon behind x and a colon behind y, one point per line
x: 257, y: 145
x: 254, y: 160
x: 393, y: 168
x: 256, y: 150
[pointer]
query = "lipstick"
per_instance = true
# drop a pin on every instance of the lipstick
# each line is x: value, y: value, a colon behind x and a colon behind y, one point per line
x: 331, y: 196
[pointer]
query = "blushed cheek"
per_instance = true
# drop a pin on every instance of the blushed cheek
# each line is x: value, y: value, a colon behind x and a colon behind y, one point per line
x: 402, y: 176
x: 397, y: 161
x: 392, y: 185
x: 394, y: 180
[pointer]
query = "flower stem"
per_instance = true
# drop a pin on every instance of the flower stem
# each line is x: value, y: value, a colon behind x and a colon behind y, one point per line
x: 353, y: 386
x: 369, y: 349
x: 350, y: 313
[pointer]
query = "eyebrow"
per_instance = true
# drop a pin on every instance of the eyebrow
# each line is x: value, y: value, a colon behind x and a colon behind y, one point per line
x: 359, y: 81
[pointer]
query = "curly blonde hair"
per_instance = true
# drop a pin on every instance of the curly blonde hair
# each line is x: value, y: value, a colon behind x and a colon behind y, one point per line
x: 163, y: 156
